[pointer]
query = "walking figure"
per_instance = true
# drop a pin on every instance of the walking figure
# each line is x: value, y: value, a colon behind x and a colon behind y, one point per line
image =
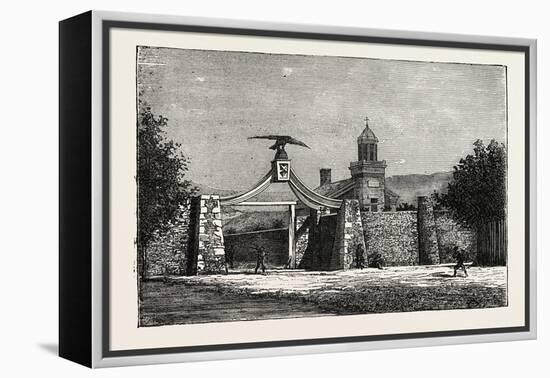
x: 261, y: 256
x: 359, y: 257
x: 229, y: 256
x: 459, y: 256
x: 288, y: 264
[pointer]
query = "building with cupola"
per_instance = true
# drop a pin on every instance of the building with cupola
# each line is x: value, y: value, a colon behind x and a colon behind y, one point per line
x: 368, y: 177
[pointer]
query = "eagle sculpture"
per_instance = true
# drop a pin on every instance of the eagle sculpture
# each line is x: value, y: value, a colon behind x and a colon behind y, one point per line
x: 280, y: 142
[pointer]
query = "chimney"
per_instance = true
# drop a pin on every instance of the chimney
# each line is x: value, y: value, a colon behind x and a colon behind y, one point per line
x: 324, y: 174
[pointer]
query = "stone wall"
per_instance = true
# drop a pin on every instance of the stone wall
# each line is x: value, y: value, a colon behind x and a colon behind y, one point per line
x: 240, y: 253
x: 166, y: 253
x: 393, y: 235
x: 349, y: 241
x: 451, y: 234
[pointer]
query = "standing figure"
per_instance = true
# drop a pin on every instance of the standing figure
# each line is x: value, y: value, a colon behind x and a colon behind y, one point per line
x: 229, y: 256
x: 261, y: 256
x: 459, y: 256
x: 359, y: 257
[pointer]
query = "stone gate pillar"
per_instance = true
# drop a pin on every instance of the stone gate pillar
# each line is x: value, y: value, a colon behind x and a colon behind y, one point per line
x: 206, y: 251
x: 292, y: 236
x: 428, y: 249
x: 349, y: 237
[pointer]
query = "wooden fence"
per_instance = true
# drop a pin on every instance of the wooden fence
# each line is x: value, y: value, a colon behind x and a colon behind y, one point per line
x: 492, y: 243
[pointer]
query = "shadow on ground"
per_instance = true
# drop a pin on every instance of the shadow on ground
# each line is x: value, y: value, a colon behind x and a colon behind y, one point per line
x: 443, y: 275
x: 51, y: 348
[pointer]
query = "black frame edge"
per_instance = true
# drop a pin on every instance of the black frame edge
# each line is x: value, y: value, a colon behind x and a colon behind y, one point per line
x: 75, y: 194
x: 108, y: 24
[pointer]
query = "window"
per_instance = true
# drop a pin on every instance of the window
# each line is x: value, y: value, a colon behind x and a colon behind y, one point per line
x: 374, y: 204
x: 362, y: 152
x: 372, y: 152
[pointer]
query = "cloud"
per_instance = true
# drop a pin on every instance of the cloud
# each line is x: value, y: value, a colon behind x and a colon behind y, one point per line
x: 287, y: 71
x: 399, y: 162
x: 200, y: 78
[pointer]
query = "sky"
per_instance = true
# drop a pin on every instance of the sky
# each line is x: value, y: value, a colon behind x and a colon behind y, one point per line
x: 426, y: 115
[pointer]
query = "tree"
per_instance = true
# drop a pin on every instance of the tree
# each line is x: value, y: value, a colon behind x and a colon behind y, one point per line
x: 477, y: 192
x: 405, y: 206
x: 162, y: 189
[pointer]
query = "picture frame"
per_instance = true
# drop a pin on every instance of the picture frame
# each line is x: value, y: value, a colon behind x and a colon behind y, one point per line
x: 98, y: 261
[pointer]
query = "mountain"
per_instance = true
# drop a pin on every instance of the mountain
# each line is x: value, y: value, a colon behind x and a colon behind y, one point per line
x: 408, y: 187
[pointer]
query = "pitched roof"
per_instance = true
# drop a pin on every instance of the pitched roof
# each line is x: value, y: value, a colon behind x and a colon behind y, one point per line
x: 367, y: 135
x: 339, y: 188
x: 390, y: 193
x: 335, y: 189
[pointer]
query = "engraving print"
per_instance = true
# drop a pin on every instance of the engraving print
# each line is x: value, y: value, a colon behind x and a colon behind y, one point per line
x: 276, y: 186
